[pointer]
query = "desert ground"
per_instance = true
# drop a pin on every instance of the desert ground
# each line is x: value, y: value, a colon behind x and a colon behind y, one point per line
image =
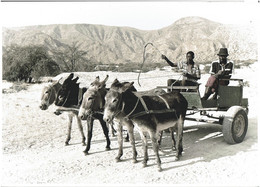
x: 34, y: 152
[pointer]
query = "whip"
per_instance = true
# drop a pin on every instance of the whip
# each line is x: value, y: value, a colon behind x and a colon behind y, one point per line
x: 144, y: 60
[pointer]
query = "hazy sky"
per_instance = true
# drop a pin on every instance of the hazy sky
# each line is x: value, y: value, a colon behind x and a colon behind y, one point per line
x: 144, y: 15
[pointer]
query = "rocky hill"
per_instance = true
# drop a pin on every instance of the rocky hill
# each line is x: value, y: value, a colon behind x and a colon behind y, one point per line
x: 110, y: 44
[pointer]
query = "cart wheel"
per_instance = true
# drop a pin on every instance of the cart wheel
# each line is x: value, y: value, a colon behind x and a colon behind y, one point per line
x: 235, y: 125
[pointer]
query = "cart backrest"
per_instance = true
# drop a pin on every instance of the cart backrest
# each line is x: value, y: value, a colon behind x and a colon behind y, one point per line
x: 193, y: 99
x: 230, y: 96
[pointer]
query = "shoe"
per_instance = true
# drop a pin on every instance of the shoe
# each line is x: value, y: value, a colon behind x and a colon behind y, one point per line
x: 208, y: 92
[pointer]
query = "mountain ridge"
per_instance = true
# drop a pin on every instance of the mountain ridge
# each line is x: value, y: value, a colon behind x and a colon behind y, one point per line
x: 113, y: 44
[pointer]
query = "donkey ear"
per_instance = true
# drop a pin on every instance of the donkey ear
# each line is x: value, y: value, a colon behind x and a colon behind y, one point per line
x: 68, y: 79
x: 103, y: 83
x: 71, y: 76
x: 126, y: 86
x: 59, y: 80
x: 97, y: 78
x: 105, y: 80
x: 75, y: 80
x: 115, y: 81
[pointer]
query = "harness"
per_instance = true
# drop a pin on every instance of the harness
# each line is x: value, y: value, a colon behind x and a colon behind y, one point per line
x: 66, y: 99
x: 146, y: 110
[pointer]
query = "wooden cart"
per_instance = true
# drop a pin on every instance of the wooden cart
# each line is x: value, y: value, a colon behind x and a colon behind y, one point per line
x: 230, y: 109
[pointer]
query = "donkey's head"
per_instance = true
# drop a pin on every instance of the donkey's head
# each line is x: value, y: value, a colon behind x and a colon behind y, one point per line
x: 49, y: 94
x: 113, y: 99
x: 93, y: 98
x: 68, y: 94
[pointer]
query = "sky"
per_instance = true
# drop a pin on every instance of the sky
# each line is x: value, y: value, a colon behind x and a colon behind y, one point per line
x: 140, y: 15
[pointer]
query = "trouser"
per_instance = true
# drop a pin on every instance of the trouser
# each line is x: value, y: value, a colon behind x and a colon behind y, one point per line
x: 180, y: 83
x: 212, y: 87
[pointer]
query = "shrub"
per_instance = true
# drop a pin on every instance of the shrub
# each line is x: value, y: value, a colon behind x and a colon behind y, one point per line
x: 23, y: 63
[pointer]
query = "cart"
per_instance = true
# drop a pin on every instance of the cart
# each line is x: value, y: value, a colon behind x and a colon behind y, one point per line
x: 230, y: 109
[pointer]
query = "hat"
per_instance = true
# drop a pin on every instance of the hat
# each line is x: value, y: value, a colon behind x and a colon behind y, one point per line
x: 223, y: 52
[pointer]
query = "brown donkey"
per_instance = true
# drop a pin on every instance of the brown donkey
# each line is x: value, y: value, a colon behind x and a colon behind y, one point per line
x: 93, y: 102
x: 91, y: 109
x: 48, y: 96
x: 151, y: 114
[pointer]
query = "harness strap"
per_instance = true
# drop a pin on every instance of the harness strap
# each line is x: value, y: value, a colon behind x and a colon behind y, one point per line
x: 150, y: 112
x: 166, y: 103
x: 139, y: 96
x: 147, y: 111
x: 66, y: 99
x: 128, y: 115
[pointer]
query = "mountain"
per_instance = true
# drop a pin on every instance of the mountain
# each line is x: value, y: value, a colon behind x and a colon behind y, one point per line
x: 111, y: 44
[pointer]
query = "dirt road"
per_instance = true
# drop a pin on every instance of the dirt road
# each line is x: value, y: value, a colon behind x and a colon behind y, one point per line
x: 33, y: 152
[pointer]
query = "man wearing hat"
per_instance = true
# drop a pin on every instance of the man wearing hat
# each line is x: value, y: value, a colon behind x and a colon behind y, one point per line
x: 221, y: 68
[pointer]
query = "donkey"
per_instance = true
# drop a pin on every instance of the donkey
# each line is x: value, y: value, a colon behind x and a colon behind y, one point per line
x: 48, y: 97
x: 68, y: 96
x: 93, y: 101
x: 151, y: 114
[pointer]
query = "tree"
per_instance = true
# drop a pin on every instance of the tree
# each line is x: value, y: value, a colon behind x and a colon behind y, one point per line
x: 71, y: 57
x: 23, y: 63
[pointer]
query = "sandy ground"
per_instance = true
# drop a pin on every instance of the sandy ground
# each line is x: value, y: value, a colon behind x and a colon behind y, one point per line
x: 33, y: 150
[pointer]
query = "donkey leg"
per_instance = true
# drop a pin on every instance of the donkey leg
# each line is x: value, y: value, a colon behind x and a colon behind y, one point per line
x: 120, y: 141
x: 130, y: 130
x: 145, y: 146
x: 81, y: 130
x: 89, y: 136
x: 179, y: 133
x: 127, y: 137
x: 113, y: 131
x: 173, y: 139
x: 156, y: 149
x: 105, y: 130
x: 160, y: 138
x: 69, y: 129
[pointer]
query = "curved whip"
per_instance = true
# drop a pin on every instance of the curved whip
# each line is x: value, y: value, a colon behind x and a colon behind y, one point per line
x: 144, y: 60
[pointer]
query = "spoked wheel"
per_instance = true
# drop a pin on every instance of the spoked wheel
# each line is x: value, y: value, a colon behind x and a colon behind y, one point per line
x: 235, y: 125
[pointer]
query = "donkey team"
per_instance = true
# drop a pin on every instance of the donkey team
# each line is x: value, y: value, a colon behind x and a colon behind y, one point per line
x: 151, y: 112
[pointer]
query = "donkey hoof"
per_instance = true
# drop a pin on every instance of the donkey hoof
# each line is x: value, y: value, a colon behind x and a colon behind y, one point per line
x: 57, y: 113
x: 144, y: 165
x: 176, y: 158
x: 134, y: 161
x: 85, y: 153
x: 117, y: 159
x: 126, y: 140
x: 84, y: 144
x: 66, y: 143
x: 108, y: 148
x: 159, y: 168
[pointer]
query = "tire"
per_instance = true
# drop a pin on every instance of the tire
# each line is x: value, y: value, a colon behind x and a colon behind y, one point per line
x: 235, y: 125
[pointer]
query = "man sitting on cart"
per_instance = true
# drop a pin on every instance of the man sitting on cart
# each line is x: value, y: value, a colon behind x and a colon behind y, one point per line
x: 191, y: 72
x: 220, y: 69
